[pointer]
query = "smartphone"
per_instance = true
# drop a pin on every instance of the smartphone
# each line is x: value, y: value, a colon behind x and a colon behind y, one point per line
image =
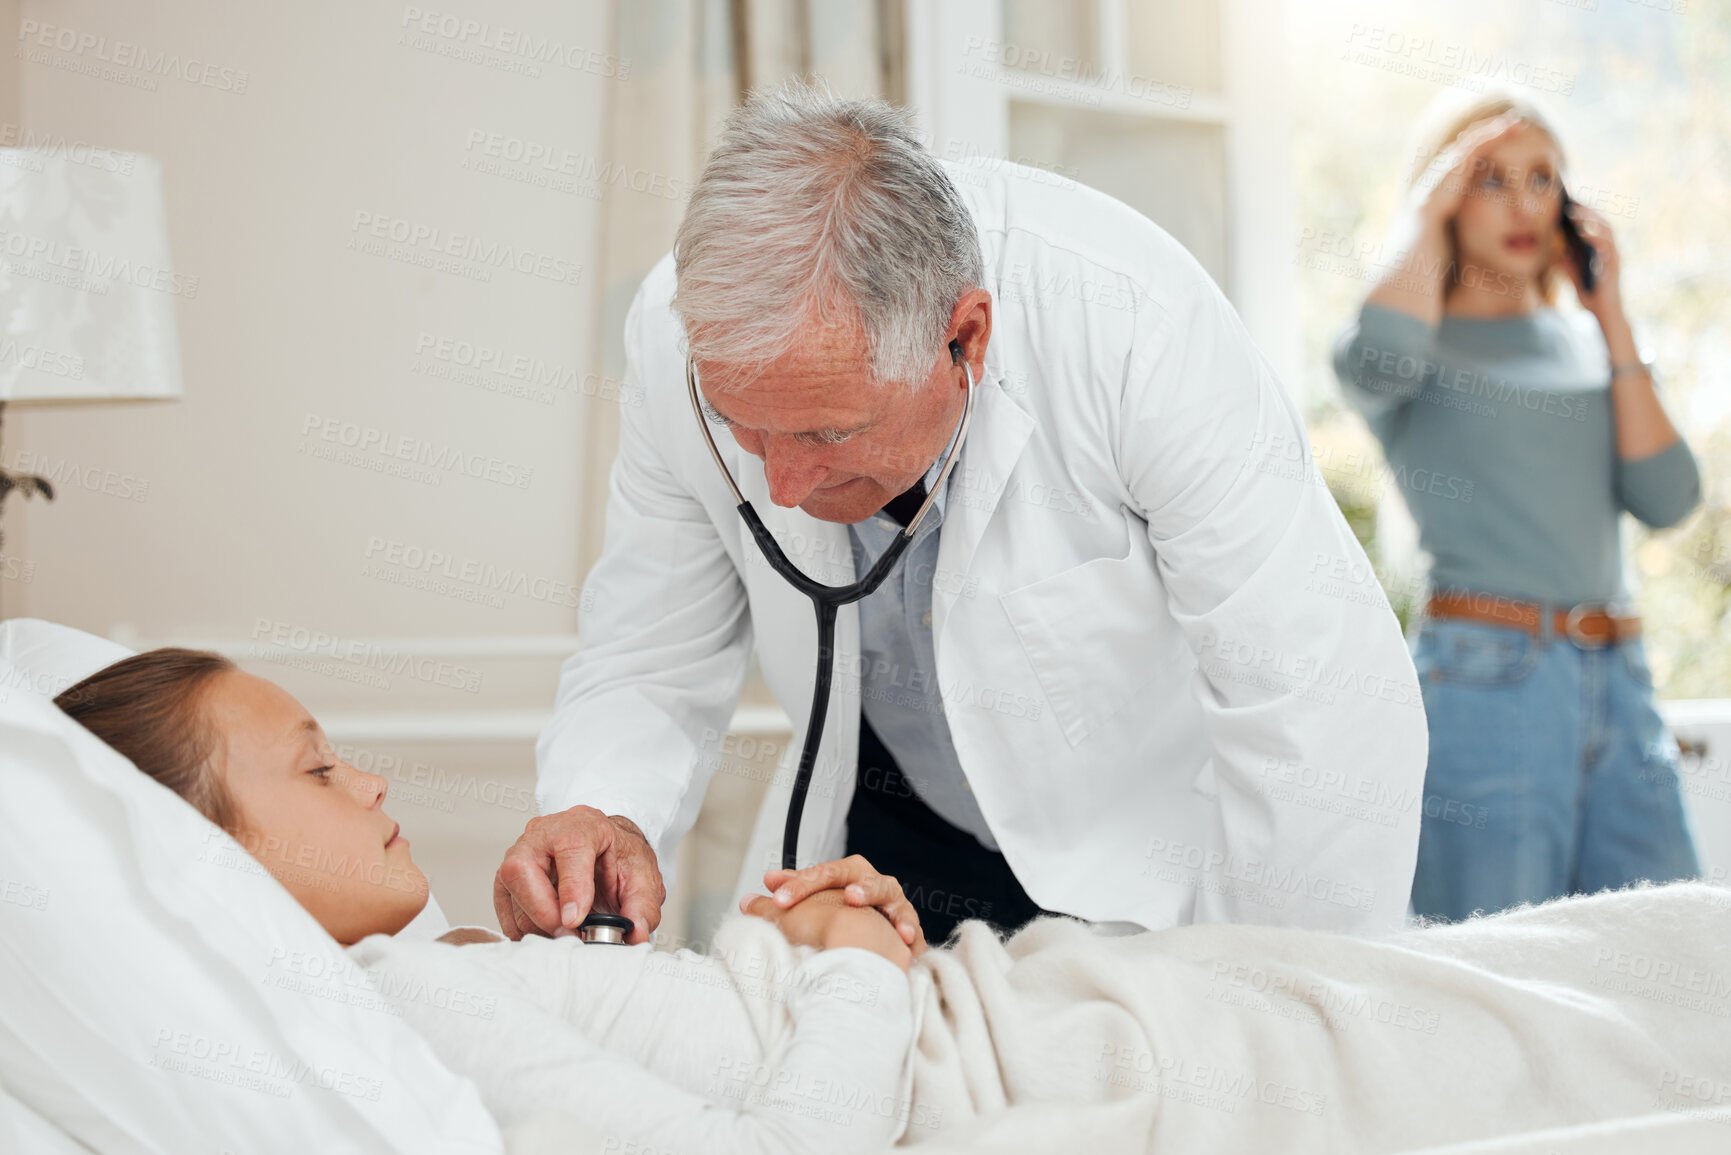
x: 1586, y: 258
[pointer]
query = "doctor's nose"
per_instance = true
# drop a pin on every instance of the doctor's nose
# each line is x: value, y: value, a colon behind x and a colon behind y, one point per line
x: 792, y: 471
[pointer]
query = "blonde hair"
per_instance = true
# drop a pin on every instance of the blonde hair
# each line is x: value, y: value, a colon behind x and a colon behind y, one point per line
x: 1451, y: 114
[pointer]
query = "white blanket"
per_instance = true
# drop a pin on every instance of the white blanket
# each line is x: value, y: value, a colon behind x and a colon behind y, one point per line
x: 1225, y: 1039
x: 1588, y: 1025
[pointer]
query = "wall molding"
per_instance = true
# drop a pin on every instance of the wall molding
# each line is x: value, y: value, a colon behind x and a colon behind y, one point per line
x: 504, y: 724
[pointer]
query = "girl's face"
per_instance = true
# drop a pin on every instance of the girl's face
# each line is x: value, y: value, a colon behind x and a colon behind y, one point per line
x: 1506, y: 230
x: 315, y: 822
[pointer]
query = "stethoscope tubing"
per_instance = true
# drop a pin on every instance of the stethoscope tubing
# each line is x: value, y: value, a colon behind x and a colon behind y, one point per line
x: 826, y: 600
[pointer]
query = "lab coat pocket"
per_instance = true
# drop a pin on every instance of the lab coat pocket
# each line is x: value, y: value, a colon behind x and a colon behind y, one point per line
x: 1092, y: 634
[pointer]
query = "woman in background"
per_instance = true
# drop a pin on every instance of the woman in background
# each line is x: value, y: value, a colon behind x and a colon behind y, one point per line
x: 1520, y: 434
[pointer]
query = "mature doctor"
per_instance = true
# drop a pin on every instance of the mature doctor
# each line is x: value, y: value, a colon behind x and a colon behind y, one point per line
x: 1133, y: 668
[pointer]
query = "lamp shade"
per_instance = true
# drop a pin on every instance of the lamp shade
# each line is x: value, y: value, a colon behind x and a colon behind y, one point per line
x: 87, y: 290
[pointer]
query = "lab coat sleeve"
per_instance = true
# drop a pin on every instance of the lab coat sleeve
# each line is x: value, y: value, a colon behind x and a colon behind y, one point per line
x: 1309, y: 697
x: 664, y: 635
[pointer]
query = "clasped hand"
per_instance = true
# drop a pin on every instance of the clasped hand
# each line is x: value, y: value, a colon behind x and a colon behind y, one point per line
x: 841, y: 903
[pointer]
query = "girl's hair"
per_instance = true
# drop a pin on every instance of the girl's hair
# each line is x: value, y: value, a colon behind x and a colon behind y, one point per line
x: 147, y: 707
x: 1449, y: 115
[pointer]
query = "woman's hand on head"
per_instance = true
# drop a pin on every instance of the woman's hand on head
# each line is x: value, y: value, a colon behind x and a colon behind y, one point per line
x: 824, y: 920
x: 1453, y: 172
x: 859, y: 884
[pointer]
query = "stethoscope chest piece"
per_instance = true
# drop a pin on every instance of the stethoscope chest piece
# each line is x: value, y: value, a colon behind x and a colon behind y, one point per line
x: 599, y: 927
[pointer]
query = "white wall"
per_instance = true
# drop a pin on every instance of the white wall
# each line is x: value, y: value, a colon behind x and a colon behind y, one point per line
x: 331, y: 109
x: 339, y: 117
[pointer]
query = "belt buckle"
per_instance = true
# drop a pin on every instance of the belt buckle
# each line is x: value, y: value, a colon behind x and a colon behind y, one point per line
x: 1572, y: 629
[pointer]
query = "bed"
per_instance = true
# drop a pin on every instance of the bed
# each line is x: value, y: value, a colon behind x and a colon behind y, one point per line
x: 164, y: 1024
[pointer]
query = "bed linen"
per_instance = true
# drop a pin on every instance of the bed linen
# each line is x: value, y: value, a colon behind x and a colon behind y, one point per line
x: 1583, y: 1025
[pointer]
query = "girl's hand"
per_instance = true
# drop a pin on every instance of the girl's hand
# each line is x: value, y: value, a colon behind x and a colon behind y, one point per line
x: 1605, y: 302
x: 826, y: 921
x: 860, y: 884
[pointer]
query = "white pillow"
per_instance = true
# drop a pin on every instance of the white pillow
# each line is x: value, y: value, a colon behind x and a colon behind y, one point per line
x: 48, y: 658
x: 159, y: 992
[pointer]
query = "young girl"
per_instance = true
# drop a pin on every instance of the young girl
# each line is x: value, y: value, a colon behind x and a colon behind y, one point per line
x: 1203, y: 1038
x: 1522, y: 435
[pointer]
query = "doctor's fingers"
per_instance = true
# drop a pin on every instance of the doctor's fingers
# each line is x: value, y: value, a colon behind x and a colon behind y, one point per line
x: 549, y: 854
x: 794, y: 886
x: 513, y: 921
x: 636, y: 890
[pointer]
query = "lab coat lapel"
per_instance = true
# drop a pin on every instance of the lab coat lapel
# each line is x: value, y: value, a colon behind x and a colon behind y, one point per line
x: 1000, y: 432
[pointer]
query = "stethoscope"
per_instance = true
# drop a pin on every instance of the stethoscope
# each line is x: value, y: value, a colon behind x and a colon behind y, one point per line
x: 826, y: 600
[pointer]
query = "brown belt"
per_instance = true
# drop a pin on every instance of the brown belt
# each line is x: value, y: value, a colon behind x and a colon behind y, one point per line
x: 1590, y: 627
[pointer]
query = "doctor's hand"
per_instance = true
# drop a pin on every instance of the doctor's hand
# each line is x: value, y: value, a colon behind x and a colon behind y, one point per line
x: 565, y: 863
x: 860, y: 885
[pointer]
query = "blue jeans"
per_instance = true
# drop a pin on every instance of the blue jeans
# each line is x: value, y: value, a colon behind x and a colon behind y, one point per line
x: 1551, y: 771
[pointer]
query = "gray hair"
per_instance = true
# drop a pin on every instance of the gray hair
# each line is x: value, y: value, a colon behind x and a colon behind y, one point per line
x: 814, y: 208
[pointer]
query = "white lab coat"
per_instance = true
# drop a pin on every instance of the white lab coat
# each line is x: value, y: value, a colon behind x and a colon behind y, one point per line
x: 1168, y: 674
